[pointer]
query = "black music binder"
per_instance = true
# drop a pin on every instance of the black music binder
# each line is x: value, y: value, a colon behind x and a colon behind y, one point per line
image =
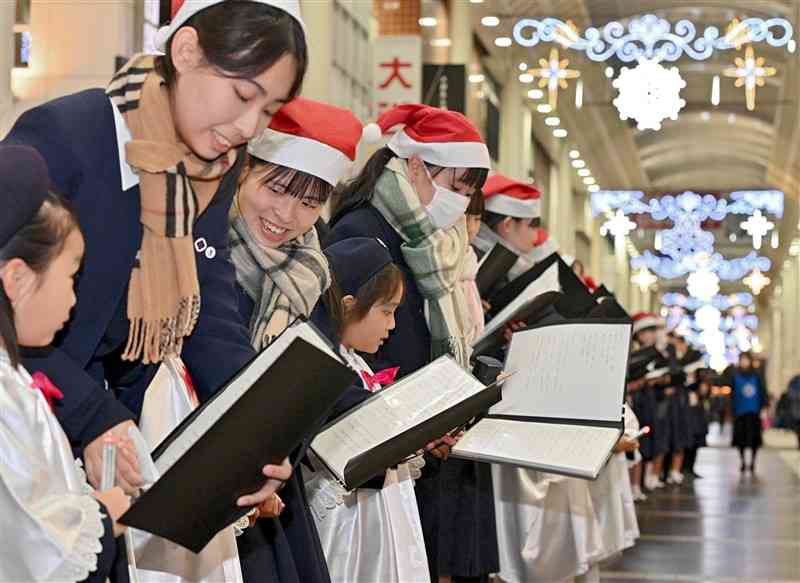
x: 364, y: 442
x: 493, y: 268
x: 217, y: 453
x: 577, y: 300
x: 562, y: 410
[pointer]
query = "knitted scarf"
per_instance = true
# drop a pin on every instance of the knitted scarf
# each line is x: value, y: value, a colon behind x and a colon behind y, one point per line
x: 435, y: 257
x: 175, y: 188
x: 284, y: 283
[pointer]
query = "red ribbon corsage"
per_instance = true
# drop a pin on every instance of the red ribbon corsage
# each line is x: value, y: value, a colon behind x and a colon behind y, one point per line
x: 52, y: 393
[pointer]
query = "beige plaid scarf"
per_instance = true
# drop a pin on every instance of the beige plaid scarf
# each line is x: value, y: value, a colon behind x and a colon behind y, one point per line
x: 175, y: 188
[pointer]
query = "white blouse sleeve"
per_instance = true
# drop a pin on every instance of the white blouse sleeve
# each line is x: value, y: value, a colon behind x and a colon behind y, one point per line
x: 54, y: 538
x: 51, y: 527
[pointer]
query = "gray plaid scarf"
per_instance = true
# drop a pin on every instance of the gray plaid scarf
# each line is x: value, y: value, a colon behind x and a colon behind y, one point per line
x: 435, y: 256
x: 284, y: 283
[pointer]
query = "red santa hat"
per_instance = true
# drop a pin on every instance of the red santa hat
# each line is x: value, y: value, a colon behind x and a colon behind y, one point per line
x: 645, y: 320
x: 183, y: 10
x: 512, y: 198
x: 310, y: 136
x: 438, y: 136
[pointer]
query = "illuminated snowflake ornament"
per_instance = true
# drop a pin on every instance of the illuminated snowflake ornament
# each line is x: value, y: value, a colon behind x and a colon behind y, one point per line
x: 703, y: 284
x: 649, y: 94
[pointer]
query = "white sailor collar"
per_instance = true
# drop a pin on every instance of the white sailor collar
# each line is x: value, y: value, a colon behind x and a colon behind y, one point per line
x: 128, y: 178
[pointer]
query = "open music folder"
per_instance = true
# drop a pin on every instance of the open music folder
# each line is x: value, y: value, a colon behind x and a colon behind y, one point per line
x: 494, y: 266
x: 217, y: 453
x: 400, y: 420
x: 577, y: 301
x: 562, y: 409
x: 522, y: 308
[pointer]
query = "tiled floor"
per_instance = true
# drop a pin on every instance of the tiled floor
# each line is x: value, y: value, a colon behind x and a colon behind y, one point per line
x: 724, y: 528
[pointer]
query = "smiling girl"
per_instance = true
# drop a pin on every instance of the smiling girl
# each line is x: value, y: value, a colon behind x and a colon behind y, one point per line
x: 281, y: 273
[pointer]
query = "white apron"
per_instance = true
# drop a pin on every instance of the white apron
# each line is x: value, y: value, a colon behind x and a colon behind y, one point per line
x: 168, y: 400
x: 547, y: 529
x: 370, y: 536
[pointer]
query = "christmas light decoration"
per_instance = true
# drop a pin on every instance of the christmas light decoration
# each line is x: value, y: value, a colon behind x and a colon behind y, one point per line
x: 756, y: 281
x: 750, y: 73
x: 757, y: 226
x: 649, y: 94
x: 651, y: 37
x: 703, y: 284
x: 644, y: 279
x: 618, y: 225
x: 554, y: 73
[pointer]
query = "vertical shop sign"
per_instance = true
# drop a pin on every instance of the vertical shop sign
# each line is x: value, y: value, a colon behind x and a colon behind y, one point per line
x: 397, y: 71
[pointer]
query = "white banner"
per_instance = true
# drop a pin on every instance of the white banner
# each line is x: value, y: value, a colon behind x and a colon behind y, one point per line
x: 397, y: 71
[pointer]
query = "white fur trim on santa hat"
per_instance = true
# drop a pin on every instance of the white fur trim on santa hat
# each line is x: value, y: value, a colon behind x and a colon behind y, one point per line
x: 646, y: 322
x: 192, y: 7
x: 445, y: 154
x: 304, y: 154
x: 509, y: 206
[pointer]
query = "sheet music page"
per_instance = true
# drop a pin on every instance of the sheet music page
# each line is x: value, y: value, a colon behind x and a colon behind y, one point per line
x: 548, y: 281
x: 576, y: 449
x: 209, y: 416
x: 571, y: 371
x: 398, y: 408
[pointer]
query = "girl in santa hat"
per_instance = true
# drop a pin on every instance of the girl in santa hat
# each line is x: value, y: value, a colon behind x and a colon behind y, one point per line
x: 281, y: 273
x: 150, y: 166
x: 412, y: 194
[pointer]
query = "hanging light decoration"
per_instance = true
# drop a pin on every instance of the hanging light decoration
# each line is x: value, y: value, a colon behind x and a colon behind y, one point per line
x: 554, y: 74
x: 757, y: 226
x: 756, y: 281
x: 750, y: 73
x: 618, y: 225
x: 649, y: 94
x: 644, y: 278
x: 703, y: 284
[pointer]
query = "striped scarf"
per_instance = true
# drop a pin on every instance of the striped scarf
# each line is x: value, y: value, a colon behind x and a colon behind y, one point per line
x: 435, y: 257
x: 284, y: 283
x: 175, y: 187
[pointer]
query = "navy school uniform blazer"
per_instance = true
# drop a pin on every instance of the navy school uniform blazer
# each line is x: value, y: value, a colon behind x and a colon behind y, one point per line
x: 76, y: 135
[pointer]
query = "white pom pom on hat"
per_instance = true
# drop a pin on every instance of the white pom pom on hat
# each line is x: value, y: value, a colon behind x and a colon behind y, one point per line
x: 372, y: 133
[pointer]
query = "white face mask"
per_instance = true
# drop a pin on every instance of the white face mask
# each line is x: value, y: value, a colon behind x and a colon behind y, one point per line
x: 446, y: 207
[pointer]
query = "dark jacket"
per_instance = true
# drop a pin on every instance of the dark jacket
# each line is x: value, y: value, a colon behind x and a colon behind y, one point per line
x: 77, y: 137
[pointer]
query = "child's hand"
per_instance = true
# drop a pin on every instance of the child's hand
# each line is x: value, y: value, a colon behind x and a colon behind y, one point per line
x: 486, y: 306
x: 116, y: 503
x: 625, y: 445
x: 512, y: 327
x: 271, y: 508
x: 128, y: 474
x: 440, y: 448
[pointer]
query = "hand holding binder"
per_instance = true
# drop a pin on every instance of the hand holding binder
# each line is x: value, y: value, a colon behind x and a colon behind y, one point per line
x: 218, y: 453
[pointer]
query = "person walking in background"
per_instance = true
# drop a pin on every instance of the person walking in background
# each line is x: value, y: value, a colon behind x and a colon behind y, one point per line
x: 749, y: 401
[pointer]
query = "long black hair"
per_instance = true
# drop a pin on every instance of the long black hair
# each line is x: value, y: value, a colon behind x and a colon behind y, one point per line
x: 38, y: 243
x: 359, y: 191
x: 242, y: 39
